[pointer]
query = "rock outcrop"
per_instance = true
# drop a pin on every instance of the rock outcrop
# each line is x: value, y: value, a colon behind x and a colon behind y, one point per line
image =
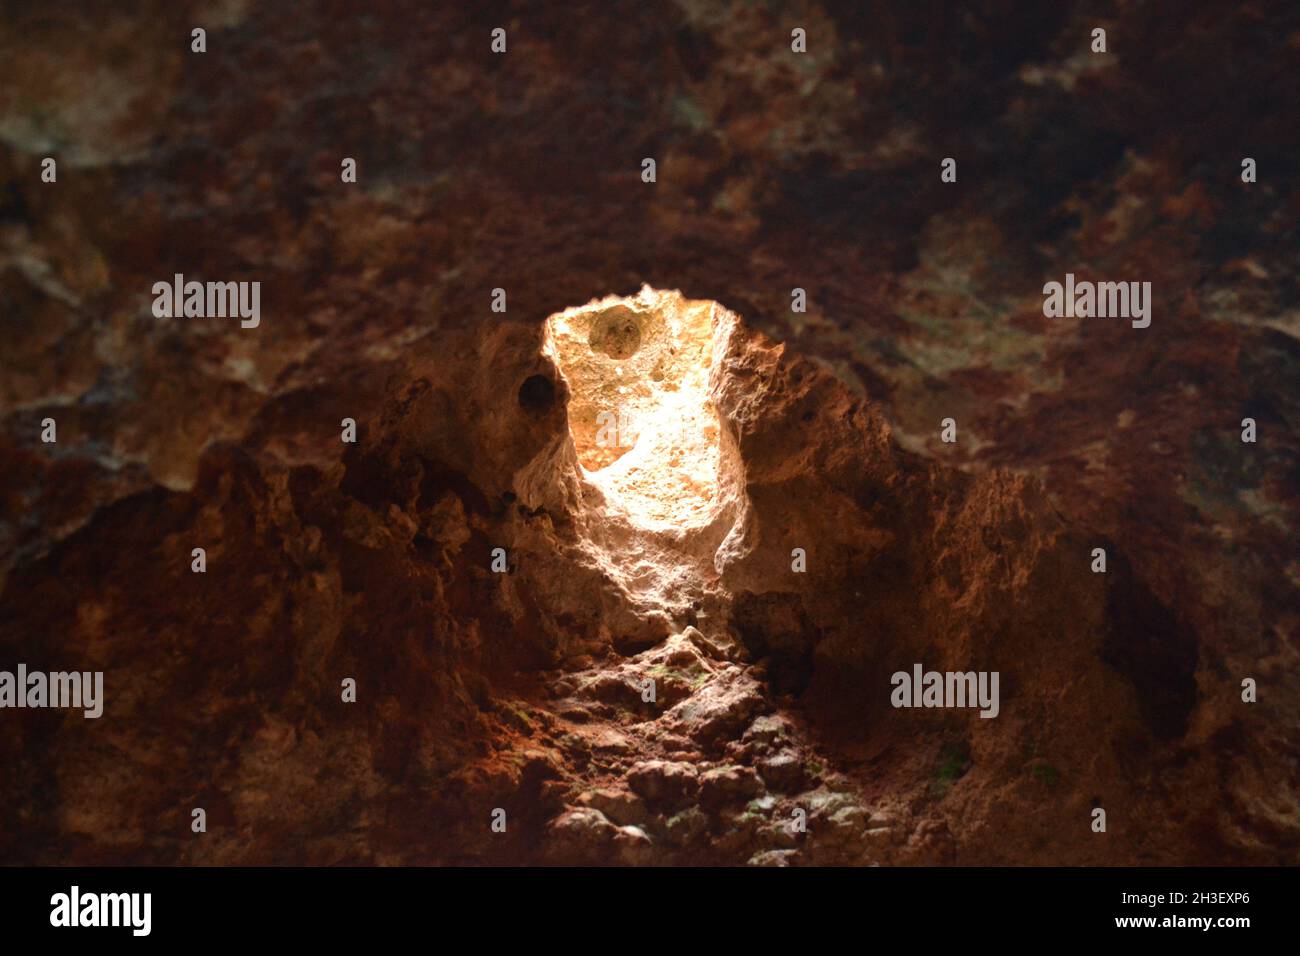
x: 674, y: 645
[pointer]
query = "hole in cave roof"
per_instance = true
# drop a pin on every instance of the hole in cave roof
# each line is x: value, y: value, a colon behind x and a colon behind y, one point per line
x: 643, y: 425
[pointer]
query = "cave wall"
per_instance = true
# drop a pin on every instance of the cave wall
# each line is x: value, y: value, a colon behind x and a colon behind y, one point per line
x: 522, y: 172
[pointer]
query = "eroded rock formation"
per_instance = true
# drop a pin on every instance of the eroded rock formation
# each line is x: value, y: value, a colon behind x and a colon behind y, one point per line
x: 670, y: 559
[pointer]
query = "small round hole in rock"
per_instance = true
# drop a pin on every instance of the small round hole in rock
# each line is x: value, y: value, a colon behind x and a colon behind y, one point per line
x: 616, y: 333
x: 537, y: 394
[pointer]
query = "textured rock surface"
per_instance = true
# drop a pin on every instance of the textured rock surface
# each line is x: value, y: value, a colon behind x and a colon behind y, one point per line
x: 523, y: 691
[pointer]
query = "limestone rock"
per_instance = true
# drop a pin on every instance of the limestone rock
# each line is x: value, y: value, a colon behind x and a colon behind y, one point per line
x: 663, y: 782
x: 717, y: 710
x: 649, y: 432
x: 783, y: 772
x: 723, y: 785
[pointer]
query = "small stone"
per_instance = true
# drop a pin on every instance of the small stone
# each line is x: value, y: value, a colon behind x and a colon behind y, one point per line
x: 677, y: 745
x: 622, y: 806
x: 836, y: 812
x: 739, y: 837
x: 718, y: 710
x: 846, y: 824
x: 633, y: 845
x: 783, y: 834
x: 612, y: 689
x: 607, y: 740
x: 721, y: 648
x: 723, y: 785
x: 664, y: 782
x: 686, y: 827
x: 576, y: 713
x: 772, y: 858
x: 580, y: 820
x: 767, y: 729
x: 783, y: 772
x: 580, y: 835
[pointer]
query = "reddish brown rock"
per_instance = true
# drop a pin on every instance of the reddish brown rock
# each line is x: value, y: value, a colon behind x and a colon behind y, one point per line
x: 665, y: 783
x: 726, y: 785
x: 523, y: 690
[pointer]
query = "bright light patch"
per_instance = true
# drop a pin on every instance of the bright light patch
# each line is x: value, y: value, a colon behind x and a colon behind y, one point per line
x: 643, y: 427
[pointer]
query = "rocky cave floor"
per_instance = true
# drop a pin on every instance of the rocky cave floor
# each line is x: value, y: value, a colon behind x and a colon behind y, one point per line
x: 718, y: 773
